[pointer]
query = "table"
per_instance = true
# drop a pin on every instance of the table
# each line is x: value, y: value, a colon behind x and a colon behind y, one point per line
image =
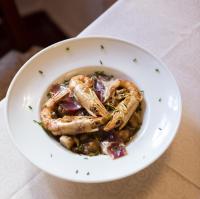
x: 170, y: 30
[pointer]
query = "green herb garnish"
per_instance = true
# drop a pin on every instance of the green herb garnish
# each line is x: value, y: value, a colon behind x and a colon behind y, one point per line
x: 80, y: 148
x: 30, y: 107
x: 102, y: 47
x: 66, y: 82
x: 157, y: 70
x: 49, y: 95
x: 110, y: 107
x: 41, y: 72
x: 135, y: 60
x: 88, y: 173
x: 99, y: 73
x: 102, y: 73
x: 39, y: 123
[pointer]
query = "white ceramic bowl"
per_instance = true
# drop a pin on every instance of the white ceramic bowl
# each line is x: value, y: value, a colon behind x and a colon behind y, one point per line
x: 161, y: 115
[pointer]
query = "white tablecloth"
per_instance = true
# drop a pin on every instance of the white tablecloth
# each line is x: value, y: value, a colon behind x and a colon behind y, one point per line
x: 171, y: 30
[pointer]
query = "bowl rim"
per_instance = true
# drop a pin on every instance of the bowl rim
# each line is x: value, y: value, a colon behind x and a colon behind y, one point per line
x: 116, y: 39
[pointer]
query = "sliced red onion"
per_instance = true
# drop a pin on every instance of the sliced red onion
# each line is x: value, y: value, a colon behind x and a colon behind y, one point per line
x: 117, y: 150
x: 54, y: 89
x: 69, y: 104
x: 114, y: 149
x: 99, y: 89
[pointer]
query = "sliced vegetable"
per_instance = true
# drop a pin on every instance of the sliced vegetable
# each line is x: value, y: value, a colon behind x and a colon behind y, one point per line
x: 99, y: 89
x: 117, y: 150
x: 69, y: 104
x: 114, y: 149
x: 54, y: 89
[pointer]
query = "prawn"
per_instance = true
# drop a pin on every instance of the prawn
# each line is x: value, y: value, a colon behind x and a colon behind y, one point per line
x: 81, y: 85
x: 47, y: 110
x: 126, y: 107
x: 68, y: 125
x: 72, y: 125
x: 110, y: 87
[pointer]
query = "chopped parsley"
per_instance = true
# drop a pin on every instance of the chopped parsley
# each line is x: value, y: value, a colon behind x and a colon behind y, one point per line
x: 80, y: 148
x: 102, y: 47
x: 100, y: 62
x: 66, y: 82
x: 99, y: 73
x: 30, y: 107
x: 135, y: 60
x: 102, y: 73
x: 88, y: 173
x: 41, y: 72
x: 48, y: 94
x: 39, y: 123
x: 157, y: 70
x: 110, y: 107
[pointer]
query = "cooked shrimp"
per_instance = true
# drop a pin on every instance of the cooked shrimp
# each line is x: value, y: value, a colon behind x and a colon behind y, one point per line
x: 110, y: 87
x: 82, y: 87
x: 125, y: 108
x: 68, y: 125
x: 72, y: 125
x: 46, y: 112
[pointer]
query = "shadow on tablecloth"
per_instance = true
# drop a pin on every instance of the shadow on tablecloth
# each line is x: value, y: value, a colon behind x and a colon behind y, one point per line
x: 136, y: 186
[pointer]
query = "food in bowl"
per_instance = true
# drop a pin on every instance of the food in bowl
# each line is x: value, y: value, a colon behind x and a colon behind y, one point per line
x: 93, y: 114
